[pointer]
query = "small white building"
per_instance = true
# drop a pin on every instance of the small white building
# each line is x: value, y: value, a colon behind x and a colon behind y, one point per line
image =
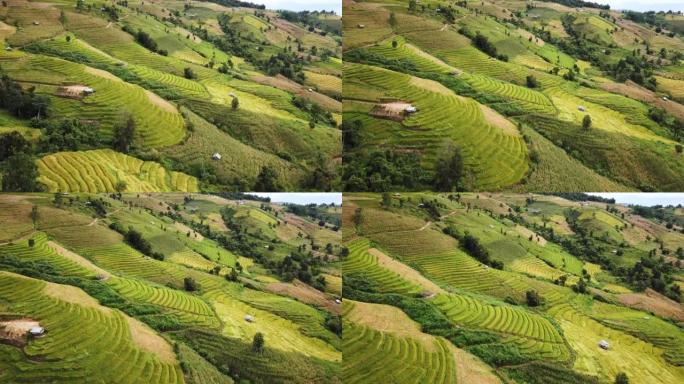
x: 216, y: 156
x: 665, y: 98
x: 249, y: 318
x: 36, y: 23
x: 37, y: 331
x: 88, y: 91
x: 604, y: 345
x: 410, y: 109
x: 581, y: 108
x: 360, y: 26
x: 338, y: 301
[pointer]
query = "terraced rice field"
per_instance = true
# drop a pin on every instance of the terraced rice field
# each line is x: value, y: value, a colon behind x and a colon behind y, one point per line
x: 74, y: 348
x: 373, y: 356
x: 158, y: 124
x: 101, y: 170
x: 41, y: 251
x: 189, y: 308
x: 536, y: 335
x: 496, y: 156
x: 360, y: 261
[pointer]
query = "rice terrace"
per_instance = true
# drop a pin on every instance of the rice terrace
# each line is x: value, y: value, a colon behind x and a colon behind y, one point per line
x: 169, y: 288
x: 511, y: 95
x: 509, y: 288
x: 168, y: 95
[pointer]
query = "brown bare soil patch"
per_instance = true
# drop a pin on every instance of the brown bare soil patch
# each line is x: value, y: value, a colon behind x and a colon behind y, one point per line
x: 470, y: 369
x: 15, y: 331
x: 494, y: 118
x: 405, y: 271
x: 386, y: 318
x: 6, y: 30
x: 145, y: 338
x: 78, y: 259
x: 73, y: 295
x: 305, y: 294
x: 654, y: 302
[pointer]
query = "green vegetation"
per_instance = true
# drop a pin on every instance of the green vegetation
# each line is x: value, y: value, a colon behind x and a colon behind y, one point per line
x: 151, y: 272
x: 519, y: 288
x: 440, y: 85
x: 166, y: 80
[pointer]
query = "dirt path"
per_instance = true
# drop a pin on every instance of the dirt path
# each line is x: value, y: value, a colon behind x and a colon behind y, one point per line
x: 425, y: 226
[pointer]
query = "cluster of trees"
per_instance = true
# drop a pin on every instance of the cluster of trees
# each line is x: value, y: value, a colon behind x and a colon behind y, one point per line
x: 144, y: 39
x: 472, y: 246
x: 136, y: 240
x: 67, y: 135
x: 482, y: 43
x: 311, y: 19
x: 384, y: 170
x: 318, y: 212
x: 288, y: 65
x: 580, y: 3
x: 238, y: 3
x: 317, y: 113
x: 24, y: 104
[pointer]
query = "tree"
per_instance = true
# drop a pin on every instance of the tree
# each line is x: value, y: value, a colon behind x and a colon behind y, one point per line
x: 267, y: 181
x: 120, y: 186
x: 621, y: 378
x: 531, y: 82
x: 386, y: 199
x: 188, y: 73
x: 235, y: 103
x: 258, y: 343
x: 449, y: 169
x: 233, y: 275
x: 31, y: 242
x: 124, y: 133
x: 394, y: 43
x: 12, y: 143
x: 190, y: 284
x: 678, y: 148
x: 533, y: 299
x: 34, y: 215
x: 586, y: 122
x: 412, y: 5
x: 392, y: 20
x: 20, y: 174
x: 58, y: 199
x: 312, y: 124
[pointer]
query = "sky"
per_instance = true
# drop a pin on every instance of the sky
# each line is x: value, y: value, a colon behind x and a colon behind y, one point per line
x: 303, y: 198
x: 645, y: 5
x: 648, y: 199
x: 303, y: 5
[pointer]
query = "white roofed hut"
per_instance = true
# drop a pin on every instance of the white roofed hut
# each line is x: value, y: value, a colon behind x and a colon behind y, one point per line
x: 216, y: 156
x: 249, y: 318
x: 604, y: 345
x: 37, y: 331
x: 410, y: 109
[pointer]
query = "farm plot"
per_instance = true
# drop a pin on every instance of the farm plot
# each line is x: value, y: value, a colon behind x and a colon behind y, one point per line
x: 495, y: 157
x: 536, y: 334
x: 101, y: 170
x: 158, y: 124
x: 373, y: 356
x: 360, y: 261
x: 41, y: 251
x: 74, y: 348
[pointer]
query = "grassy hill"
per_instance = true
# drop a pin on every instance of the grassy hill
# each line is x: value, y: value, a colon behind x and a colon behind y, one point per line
x: 178, y: 293
x: 172, y: 83
x: 500, y: 287
x: 490, y: 95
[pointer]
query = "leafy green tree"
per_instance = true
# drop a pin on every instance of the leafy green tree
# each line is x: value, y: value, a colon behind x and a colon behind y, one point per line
x: 533, y: 298
x: 621, y: 378
x: 235, y: 103
x: 449, y: 169
x: 394, y: 43
x: 531, y: 82
x: 267, y: 181
x: 190, y: 284
x: 124, y: 133
x: 20, y: 174
x: 120, y: 186
x: 258, y: 343
x: 586, y: 122
x: 412, y: 5
x: 58, y: 199
x: 13, y: 143
x: 188, y: 73
x: 392, y: 20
